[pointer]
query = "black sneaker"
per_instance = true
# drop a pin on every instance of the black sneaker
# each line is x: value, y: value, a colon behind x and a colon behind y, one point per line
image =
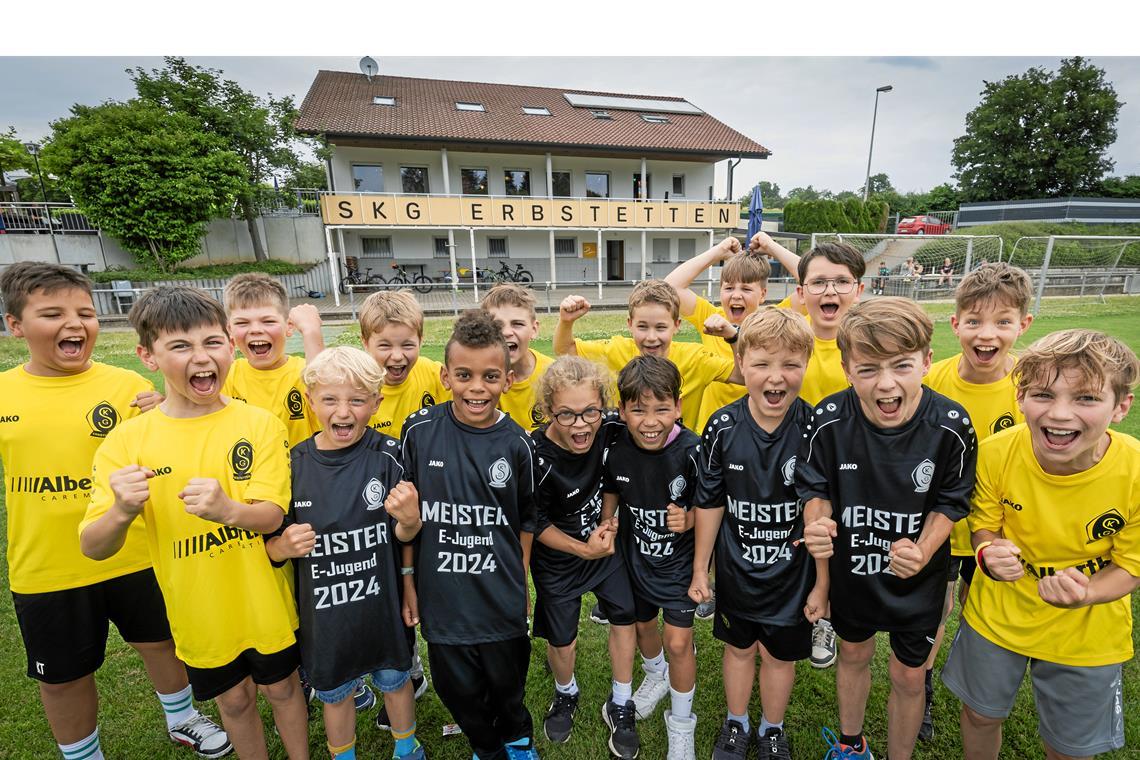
x: 559, y: 720
x: 774, y: 745
x: 621, y: 720
x: 419, y: 686
x: 598, y: 616
x: 733, y: 742
x: 926, y: 730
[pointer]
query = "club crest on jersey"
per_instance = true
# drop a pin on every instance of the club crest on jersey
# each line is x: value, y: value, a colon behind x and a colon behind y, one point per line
x: 102, y: 418
x: 1002, y: 423
x: 241, y: 459
x: 373, y: 495
x: 427, y: 400
x: 500, y: 472
x: 536, y: 415
x: 1108, y: 524
x: 922, y: 476
x: 677, y: 487
x: 295, y: 404
x: 789, y: 471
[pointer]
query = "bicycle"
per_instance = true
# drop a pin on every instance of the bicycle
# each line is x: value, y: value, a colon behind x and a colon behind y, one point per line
x: 355, y: 278
x: 419, y: 282
x: 506, y: 274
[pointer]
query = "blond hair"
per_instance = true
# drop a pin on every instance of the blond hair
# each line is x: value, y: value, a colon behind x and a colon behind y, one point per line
x: 572, y: 372
x: 997, y: 283
x: 883, y: 328
x: 344, y: 365
x: 655, y: 292
x: 509, y: 294
x: 254, y: 289
x: 1095, y: 357
x: 745, y: 268
x: 386, y: 307
x: 773, y: 328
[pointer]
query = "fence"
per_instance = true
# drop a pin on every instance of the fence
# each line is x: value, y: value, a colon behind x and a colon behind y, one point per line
x: 895, y: 256
x: 41, y: 218
x: 1082, y: 266
x: 1086, y: 210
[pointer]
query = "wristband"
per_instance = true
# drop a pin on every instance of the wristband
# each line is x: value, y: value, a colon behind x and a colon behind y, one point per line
x: 981, y: 560
x: 407, y: 571
x: 735, y: 335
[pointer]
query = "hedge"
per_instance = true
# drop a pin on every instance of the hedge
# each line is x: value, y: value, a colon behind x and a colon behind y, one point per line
x: 847, y: 216
x: 273, y: 266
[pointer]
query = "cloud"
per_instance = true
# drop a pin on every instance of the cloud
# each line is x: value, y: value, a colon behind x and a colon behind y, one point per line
x: 906, y: 62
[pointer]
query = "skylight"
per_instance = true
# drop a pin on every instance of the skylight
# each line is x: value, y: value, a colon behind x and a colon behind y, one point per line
x: 536, y: 110
x: 604, y: 115
x: 383, y: 100
x: 618, y: 103
x: 463, y: 106
x: 655, y: 118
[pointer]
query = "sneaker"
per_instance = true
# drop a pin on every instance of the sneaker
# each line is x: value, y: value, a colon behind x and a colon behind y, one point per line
x: 681, y: 734
x: 836, y: 750
x: 622, y: 723
x: 522, y: 749
x: 733, y: 742
x: 415, y: 754
x: 705, y: 610
x: 598, y: 616
x: 202, y: 735
x: 559, y: 720
x: 419, y: 687
x: 926, y: 730
x: 364, y: 698
x: 654, y: 687
x: 774, y: 745
x: 823, y: 652
x: 419, y: 684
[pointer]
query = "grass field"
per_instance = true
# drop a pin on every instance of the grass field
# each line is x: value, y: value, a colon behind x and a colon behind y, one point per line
x: 131, y: 725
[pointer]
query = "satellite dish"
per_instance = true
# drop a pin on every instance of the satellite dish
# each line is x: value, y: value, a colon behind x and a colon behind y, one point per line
x: 369, y: 67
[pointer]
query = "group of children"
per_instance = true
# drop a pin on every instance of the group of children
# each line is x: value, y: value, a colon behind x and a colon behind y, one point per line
x: 282, y: 526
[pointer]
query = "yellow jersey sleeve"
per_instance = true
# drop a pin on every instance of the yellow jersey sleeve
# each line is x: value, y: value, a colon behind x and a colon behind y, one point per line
x: 521, y: 402
x: 698, y: 367
x: 422, y: 388
x: 278, y: 391
x: 785, y: 304
x: 613, y: 352
x: 701, y: 312
x: 716, y: 396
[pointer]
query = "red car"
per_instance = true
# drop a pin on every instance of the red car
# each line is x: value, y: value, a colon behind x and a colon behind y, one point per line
x: 922, y: 225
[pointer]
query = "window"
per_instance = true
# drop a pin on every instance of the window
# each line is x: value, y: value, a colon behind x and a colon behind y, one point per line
x: 536, y: 110
x: 566, y: 247
x: 367, y: 178
x: 497, y: 247
x: 637, y: 186
x: 654, y: 118
x: 464, y: 106
x: 597, y: 185
x: 686, y: 249
x: 603, y: 115
x: 440, y: 248
x: 414, y: 179
x: 383, y: 100
x: 679, y: 185
x: 561, y: 184
x: 380, y: 247
x: 660, y: 249
x: 517, y: 181
x: 474, y: 181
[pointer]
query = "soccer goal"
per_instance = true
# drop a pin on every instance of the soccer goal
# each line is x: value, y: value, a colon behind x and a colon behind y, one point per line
x: 1079, y: 266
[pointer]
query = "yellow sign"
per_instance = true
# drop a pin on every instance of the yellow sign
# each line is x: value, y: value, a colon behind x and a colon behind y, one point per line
x: 379, y: 209
x: 589, y: 250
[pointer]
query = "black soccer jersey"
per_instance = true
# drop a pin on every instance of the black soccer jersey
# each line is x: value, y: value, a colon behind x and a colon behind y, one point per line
x: 660, y: 562
x: 348, y: 595
x: 476, y: 488
x: 570, y: 499
x: 882, y: 483
x: 760, y: 575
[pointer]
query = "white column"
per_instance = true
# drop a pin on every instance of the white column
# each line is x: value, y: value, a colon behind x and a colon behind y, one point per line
x: 550, y: 195
x: 599, y: 257
x: 450, y: 233
x: 474, y: 266
x: 643, y: 192
x: 334, y: 273
x: 644, y: 257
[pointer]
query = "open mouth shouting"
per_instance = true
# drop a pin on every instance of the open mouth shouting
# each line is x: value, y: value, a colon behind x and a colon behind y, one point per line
x: 342, y: 432
x: 259, y: 348
x: 985, y: 354
x: 775, y: 399
x: 829, y: 310
x: 736, y: 313
x: 1059, y: 438
x: 890, y: 406
x: 204, y: 383
x: 395, y: 373
x: 72, y: 348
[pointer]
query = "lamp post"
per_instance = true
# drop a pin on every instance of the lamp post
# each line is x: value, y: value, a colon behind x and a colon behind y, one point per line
x: 874, y: 117
x: 34, y: 149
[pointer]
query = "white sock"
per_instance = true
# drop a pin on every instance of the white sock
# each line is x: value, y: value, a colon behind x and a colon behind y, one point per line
x: 742, y: 720
x: 655, y: 664
x: 178, y: 707
x: 765, y: 725
x: 682, y: 706
x: 87, y: 749
x: 570, y: 688
x: 622, y: 692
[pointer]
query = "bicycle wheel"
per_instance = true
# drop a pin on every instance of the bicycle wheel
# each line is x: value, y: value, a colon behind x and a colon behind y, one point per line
x: 523, y: 276
x: 345, y: 282
x: 421, y: 284
x: 398, y: 279
x: 375, y: 279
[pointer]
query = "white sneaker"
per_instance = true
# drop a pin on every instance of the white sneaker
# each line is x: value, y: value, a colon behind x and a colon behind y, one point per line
x: 202, y: 735
x: 681, y: 734
x: 823, y: 651
x: 654, y: 687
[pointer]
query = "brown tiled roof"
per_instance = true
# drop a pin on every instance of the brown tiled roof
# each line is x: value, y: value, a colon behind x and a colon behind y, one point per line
x: 340, y: 103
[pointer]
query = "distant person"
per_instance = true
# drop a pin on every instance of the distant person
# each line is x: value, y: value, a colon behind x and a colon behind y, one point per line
x: 879, y: 285
x: 946, y: 272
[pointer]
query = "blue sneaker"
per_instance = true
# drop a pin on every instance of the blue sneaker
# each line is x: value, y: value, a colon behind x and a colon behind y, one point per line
x: 522, y: 749
x: 415, y: 754
x: 839, y: 751
x: 364, y: 698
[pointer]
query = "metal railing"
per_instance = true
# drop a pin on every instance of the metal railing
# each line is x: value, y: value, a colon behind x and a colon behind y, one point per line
x: 297, y: 202
x: 39, y: 218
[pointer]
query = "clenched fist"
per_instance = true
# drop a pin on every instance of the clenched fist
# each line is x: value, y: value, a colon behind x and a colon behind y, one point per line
x: 147, y: 400
x: 297, y: 540
x: 1068, y: 588
x: 573, y: 308
x: 818, y: 537
x: 403, y: 504
x: 1001, y: 559
x: 131, y: 488
x: 906, y: 558
x: 717, y: 325
x: 205, y: 498
x: 305, y: 318
x: 677, y: 519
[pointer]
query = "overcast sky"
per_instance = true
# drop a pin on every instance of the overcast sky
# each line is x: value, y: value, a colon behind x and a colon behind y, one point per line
x: 814, y: 114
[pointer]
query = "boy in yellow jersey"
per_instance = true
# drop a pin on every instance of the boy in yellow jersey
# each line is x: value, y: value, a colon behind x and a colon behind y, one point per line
x: 991, y: 312
x: 392, y: 330
x: 57, y: 409
x: 1055, y: 519
x: 259, y: 321
x: 512, y: 306
x: 206, y: 476
x: 654, y: 318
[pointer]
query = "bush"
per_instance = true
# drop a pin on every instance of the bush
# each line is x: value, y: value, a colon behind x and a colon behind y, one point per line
x: 272, y: 266
x: 848, y: 216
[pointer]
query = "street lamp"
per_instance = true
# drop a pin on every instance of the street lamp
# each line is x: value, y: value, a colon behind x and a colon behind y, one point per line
x: 867, y: 182
x: 34, y: 149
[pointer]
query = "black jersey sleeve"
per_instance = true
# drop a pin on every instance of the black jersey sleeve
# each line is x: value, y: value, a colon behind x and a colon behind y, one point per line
x: 692, y: 472
x: 958, y: 469
x: 542, y: 494
x: 710, y: 477
x: 528, y: 501
x: 813, y: 465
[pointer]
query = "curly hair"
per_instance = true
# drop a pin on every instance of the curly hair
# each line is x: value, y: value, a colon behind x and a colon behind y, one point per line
x: 476, y: 328
x: 572, y: 372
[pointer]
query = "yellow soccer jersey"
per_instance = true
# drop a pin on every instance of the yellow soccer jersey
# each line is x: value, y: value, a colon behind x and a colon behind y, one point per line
x: 701, y: 312
x: 50, y: 428
x: 824, y: 374
x: 279, y: 391
x: 422, y: 388
x: 222, y: 594
x: 698, y: 367
x: 1084, y: 521
x: 992, y: 408
x: 521, y: 401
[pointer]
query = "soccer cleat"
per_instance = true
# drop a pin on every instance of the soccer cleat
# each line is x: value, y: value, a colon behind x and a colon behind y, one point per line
x: 415, y: 754
x: 598, y: 616
x: 419, y: 686
x: 202, y: 735
x: 522, y: 749
x: 823, y: 651
x: 622, y: 723
x: 926, y: 730
x: 774, y: 745
x: 733, y: 742
x: 705, y: 610
x: 654, y: 687
x: 364, y: 698
x: 836, y: 750
x: 559, y: 720
x: 681, y: 736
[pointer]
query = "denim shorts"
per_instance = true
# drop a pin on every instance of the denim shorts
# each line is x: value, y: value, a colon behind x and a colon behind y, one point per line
x: 386, y: 680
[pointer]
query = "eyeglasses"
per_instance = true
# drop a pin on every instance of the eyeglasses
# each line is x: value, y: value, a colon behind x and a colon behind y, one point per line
x: 589, y: 415
x: 842, y: 285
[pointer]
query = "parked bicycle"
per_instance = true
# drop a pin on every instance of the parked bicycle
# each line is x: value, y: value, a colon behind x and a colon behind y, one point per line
x: 354, y: 277
x: 419, y: 282
x: 506, y: 274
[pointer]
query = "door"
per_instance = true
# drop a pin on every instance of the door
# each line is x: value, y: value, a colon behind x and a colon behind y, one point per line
x: 615, y: 259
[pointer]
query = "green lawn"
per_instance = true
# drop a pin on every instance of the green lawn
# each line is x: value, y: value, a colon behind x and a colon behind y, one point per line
x: 131, y: 725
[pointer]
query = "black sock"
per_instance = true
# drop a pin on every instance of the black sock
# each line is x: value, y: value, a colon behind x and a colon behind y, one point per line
x: 929, y: 677
x: 854, y: 742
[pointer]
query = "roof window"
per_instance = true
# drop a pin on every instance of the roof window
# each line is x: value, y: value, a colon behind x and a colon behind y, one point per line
x: 467, y: 106
x: 536, y: 110
x: 383, y: 100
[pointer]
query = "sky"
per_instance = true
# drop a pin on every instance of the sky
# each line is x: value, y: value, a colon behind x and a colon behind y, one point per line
x: 813, y: 113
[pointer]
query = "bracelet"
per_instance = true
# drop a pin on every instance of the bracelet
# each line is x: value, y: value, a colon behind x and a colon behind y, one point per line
x: 736, y: 335
x: 407, y: 571
x: 981, y: 560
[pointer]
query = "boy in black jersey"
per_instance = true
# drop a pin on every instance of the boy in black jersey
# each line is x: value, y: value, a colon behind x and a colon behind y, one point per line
x: 345, y: 551
x: 575, y: 552
x: 765, y: 583
x: 473, y: 469
x: 650, y: 474
x: 885, y: 470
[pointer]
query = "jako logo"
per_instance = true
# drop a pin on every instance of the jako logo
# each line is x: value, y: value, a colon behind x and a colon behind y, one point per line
x: 1108, y: 524
x: 295, y: 404
x: 922, y: 476
x: 373, y: 494
x: 241, y: 459
x: 500, y: 473
x: 102, y: 418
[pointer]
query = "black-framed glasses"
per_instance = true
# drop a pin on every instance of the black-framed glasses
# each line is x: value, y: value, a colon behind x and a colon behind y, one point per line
x: 589, y: 415
x: 842, y: 285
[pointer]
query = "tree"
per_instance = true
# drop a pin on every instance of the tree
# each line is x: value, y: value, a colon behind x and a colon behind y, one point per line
x: 1038, y: 134
x: 258, y: 130
x: 1121, y: 187
x: 307, y: 175
x: 808, y: 193
x: 148, y: 177
x: 942, y: 197
x: 879, y: 183
x: 13, y: 155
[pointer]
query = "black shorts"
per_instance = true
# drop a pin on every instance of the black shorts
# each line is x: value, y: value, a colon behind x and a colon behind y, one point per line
x: 787, y: 643
x: 962, y: 567
x: 910, y: 647
x: 265, y: 669
x: 65, y: 632
x: 556, y: 619
x: 679, y: 617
